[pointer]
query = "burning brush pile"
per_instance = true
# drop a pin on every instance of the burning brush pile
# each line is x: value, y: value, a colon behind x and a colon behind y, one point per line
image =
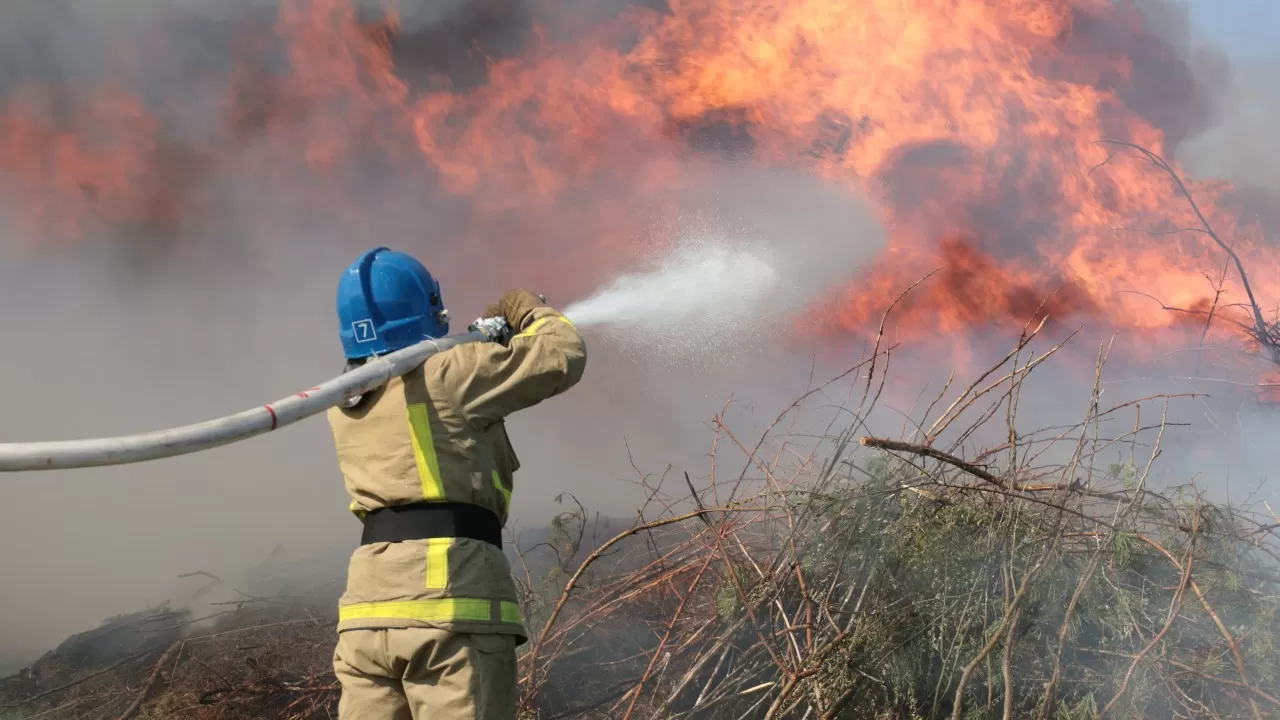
x: 974, y: 567
x: 976, y: 562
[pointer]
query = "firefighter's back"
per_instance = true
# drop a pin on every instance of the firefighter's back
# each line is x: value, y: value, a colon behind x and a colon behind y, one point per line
x: 429, y: 622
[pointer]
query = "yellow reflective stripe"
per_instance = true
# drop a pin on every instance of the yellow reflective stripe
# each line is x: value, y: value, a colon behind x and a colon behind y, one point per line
x: 438, y: 563
x: 543, y: 321
x: 534, y: 327
x: 510, y: 612
x: 424, y: 452
x: 506, y: 494
x: 439, y: 610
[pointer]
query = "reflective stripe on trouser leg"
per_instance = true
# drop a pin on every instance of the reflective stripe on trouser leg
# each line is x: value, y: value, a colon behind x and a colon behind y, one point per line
x: 438, y: 563
x: 435, y: 610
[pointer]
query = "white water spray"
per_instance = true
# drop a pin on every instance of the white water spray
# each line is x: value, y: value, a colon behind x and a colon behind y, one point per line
x: 707, y: 291
x: 720, y: 288
x: 690, y: 284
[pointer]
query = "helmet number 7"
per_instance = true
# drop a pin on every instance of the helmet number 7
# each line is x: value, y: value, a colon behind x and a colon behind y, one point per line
x: 364, y: 331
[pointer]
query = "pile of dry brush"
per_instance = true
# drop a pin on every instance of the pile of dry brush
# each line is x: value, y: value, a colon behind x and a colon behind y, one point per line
x: 1030, y: 579
x: 973, y: 568
x: 846, y: 576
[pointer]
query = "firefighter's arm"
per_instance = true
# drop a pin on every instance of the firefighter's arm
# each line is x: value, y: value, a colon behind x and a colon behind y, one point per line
x: 490, y: 381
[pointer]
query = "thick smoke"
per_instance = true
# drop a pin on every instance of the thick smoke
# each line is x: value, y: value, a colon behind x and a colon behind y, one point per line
x: 222, y: 300
x: 1239, y: 144
x: 1243, y: 147
x: 155, y: 325
x: 162, y: 323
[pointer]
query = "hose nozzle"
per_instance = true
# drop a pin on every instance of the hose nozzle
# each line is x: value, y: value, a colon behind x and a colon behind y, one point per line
x: 495, y: 329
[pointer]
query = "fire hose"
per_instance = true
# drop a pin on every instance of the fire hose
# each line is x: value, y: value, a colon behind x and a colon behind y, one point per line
x: 125, y: 449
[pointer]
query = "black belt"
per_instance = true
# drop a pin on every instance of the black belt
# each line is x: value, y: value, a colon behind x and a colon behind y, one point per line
x: 421, y: 521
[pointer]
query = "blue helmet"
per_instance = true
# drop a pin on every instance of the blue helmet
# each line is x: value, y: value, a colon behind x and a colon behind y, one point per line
x: 387, y: 301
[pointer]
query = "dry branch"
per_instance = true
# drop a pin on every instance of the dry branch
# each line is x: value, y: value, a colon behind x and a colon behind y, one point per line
x: 1260, y: 329
x: 156, y: 674
x: 925, y: 451
x: 853, y: 585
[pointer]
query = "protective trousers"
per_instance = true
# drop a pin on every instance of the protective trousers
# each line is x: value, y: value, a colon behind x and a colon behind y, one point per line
x: 425, y: 674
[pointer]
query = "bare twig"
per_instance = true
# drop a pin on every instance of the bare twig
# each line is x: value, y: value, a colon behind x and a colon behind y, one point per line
x: 150, y: 685
x: 898, y: 446
x: 1260, y: 324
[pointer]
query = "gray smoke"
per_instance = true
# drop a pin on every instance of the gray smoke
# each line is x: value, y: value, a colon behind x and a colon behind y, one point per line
x: 141, y: 328
x: 1243, y: 148
x: 138, y: 329
x: 1240, y: 145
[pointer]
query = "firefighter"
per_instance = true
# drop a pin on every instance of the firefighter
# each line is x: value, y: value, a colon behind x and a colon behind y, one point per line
x: 429, y: 625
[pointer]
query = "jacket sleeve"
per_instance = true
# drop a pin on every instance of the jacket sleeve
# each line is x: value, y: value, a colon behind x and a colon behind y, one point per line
x: 489, y: 381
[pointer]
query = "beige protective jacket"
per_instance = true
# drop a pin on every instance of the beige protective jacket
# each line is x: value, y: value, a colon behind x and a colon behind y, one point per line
x: 437, y: 434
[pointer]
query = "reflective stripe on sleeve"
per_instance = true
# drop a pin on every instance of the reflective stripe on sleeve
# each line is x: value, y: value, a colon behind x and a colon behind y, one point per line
x: 543, y: 321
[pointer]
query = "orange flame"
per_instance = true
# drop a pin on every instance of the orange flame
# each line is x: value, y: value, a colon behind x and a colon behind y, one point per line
x: 972, y: 125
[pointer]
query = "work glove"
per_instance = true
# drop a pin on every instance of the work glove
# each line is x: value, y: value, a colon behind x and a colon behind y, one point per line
x: 516, y: 307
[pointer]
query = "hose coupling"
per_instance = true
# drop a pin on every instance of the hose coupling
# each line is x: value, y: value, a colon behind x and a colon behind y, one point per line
x: 495, y: 329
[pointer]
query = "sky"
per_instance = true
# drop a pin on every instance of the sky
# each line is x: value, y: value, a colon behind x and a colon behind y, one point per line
x: 1248, y: 30
x: 1243, y: 147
